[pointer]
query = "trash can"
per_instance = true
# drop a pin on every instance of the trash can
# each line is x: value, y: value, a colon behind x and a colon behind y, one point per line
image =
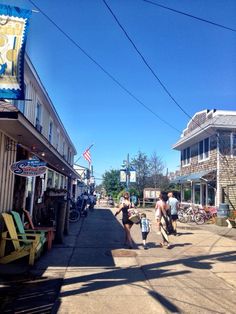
x: 223, y: 210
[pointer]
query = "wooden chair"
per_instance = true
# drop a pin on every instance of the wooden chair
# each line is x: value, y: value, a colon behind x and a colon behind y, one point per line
x: 50, y: 231
x: 21, y: 230
x: 30, y: 245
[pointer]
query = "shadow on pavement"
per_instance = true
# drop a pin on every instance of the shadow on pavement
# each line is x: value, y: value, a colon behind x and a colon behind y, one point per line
x: 90, y: 244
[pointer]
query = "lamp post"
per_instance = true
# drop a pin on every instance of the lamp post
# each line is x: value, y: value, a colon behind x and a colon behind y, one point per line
x: 127, y: 173
x: 125, y: 177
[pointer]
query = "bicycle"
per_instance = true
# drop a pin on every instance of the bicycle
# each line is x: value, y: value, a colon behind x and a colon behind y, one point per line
x: 189, y: 214
x: 74, y: 212
x: 205, y: 215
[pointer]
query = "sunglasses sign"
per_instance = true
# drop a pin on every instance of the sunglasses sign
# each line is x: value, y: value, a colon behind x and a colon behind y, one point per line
x: 29, y: 167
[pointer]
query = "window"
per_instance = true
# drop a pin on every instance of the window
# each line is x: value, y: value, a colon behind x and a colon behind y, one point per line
x: 38, y: 117
x: 50, y: 178
x: 56, y: 184
x: 57, y: 139
x: 63, y: 149
x: 197, y: 193
x: 211, y: 195
x: 185, y: 156
x: 225, y: 143
x: 234, y: 144
x: 203, y: 149
x: 50, y: 132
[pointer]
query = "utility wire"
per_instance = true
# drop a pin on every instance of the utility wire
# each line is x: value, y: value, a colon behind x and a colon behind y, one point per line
x: 160, y: 82
x: 103, y: 69
x: 191, y: 16
x: 150, y: 68
x: 144, y: 60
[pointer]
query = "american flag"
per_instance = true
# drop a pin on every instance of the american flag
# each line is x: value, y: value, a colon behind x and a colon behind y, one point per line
x: 87, y: 155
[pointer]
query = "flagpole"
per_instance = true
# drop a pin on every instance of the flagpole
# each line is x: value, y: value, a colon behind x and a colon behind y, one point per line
x: 82, y: 154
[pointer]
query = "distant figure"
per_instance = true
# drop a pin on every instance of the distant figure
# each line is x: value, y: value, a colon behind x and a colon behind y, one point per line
x: 162, y: 220
x: 110, y: 201
x: 145, y: 225
x: 92, y: 201
x: 98, y: 195
x: 124, y: 207
x: 173, y: 204
x: 84, y: 204
x: 134, y: 199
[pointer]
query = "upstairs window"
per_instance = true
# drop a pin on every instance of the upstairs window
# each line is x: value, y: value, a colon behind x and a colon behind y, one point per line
x: 50, y: 131
x: 234, y: 144
x: 225, y: 143
x: 186, y: 156
x: 204, y: 149
x: 57, y: 140
x: 38, y: 117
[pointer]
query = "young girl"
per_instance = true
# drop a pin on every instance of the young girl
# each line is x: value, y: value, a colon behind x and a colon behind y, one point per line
x: 145, y: 228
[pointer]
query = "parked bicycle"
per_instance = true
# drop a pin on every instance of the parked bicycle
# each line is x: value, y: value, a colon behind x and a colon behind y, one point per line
x: 195, y: 214
x: 74, y: 213
x: 189, y: 214
x: 205, y: 215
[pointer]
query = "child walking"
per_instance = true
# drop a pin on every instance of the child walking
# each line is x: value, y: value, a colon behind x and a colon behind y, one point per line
x: 145, y: 229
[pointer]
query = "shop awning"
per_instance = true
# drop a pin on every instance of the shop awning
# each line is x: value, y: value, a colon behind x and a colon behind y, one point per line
x: 196, y: 176
x: 16, y: 126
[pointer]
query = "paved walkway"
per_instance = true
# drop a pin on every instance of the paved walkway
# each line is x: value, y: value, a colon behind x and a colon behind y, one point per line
x: 91, y: 272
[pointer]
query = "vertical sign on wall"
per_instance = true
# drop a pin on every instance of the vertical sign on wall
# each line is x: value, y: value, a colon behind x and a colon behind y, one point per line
x: 14, y: 24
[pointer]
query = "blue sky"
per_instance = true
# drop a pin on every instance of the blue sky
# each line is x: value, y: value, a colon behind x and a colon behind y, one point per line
x: 196, y: 62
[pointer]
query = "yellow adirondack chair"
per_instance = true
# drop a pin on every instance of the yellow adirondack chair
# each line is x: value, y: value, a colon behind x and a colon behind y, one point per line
x: 30, y: 245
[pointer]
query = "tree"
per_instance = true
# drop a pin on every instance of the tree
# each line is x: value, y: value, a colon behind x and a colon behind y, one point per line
x: 156, y: 167
x: 140, y: 163
x: 111, y: 182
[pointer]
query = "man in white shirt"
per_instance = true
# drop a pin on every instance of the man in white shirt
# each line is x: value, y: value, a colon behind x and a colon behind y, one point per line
x: 173, y: 208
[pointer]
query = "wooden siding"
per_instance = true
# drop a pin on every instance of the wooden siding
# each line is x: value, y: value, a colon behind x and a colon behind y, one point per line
x: 7, y: 157
x: 227, y: 178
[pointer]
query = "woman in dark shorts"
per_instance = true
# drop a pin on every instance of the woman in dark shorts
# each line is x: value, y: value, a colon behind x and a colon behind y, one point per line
x: 124, y: 207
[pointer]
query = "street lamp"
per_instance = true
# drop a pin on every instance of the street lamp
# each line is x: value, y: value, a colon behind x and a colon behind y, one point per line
x: 125, y: 173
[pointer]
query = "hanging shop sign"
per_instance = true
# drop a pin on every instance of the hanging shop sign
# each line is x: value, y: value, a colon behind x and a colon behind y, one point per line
x: 13, y: 31
x: 29, y: 167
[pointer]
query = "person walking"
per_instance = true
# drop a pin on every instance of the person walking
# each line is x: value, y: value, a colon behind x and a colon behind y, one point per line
x: 124, y: 207
x: 162, y: 220
x: 173, y: 204
x: 145, y: 225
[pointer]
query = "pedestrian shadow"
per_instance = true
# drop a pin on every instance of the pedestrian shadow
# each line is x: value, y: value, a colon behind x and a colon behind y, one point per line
x: 173, y: 245
x: 94, y: 237
x: 184, y: 233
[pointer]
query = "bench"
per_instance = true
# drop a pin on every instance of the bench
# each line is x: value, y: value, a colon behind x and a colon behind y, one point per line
x: 23, y: 245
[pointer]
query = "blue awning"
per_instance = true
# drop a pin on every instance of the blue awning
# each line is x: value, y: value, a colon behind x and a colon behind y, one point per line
x: 196, y: 176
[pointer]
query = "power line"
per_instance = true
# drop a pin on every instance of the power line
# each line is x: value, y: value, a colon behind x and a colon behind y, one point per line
x: 160, y: 82
x: 191, y: 16
x: 150, y: 68
x: 145, y: 61
x: 103, y: 69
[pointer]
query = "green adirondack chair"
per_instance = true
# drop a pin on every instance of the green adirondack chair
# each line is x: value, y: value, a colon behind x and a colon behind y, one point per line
x: 28, y: 232
x: 29, y: 246
x: 49, y: 231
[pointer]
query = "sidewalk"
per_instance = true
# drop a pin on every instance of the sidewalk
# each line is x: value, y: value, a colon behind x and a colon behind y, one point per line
x: 91, y: 272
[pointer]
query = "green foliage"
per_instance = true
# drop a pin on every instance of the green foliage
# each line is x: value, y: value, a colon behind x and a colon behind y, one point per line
x: 111, y: 183
x: 149, y: 174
